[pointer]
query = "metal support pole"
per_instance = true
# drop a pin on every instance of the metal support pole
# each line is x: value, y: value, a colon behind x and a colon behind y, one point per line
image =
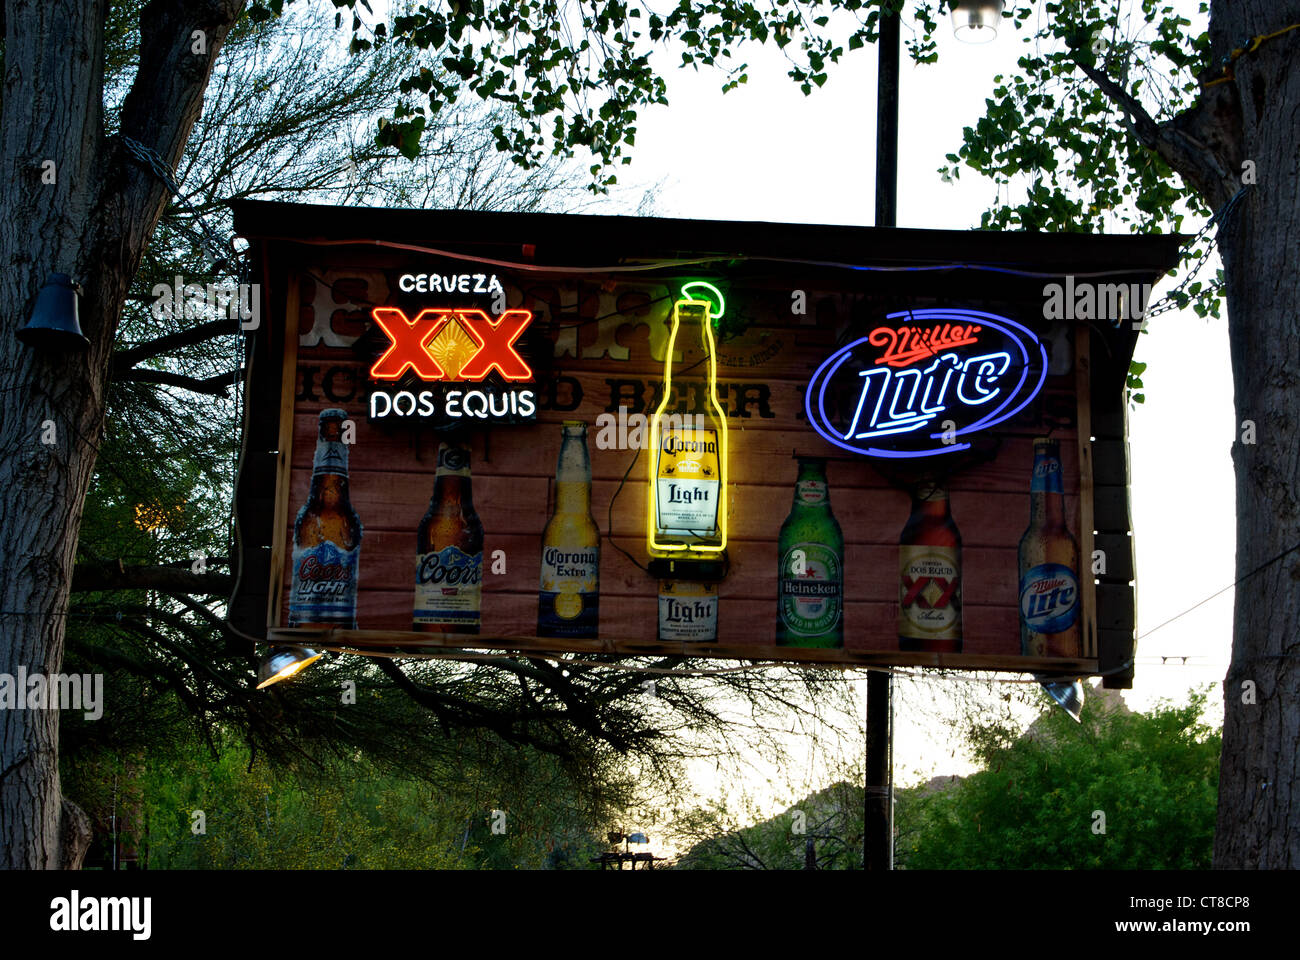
x: 878, y: 825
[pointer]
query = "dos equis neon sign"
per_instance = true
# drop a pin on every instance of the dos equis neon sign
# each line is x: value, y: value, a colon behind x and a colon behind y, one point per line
x: 922, y: 385
x: 456, y: 350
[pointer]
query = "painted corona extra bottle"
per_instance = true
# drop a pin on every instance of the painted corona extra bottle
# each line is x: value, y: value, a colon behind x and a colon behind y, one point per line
x: 1049, y: 564
x: 929, y: 581
x: 810, y: 579
x: 449, y: 551
x: 688, y: 463
x: 326, y: 538
x: 568, y: 603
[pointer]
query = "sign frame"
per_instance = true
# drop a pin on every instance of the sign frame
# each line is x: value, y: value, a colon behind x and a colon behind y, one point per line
x: 285, y: 239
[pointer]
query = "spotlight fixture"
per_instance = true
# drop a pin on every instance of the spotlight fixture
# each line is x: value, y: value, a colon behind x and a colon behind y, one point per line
x: 976, y: 21
x: 283, y: 662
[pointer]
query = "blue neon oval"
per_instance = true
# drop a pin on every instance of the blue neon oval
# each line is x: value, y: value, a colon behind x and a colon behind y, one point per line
x: 917, y: 434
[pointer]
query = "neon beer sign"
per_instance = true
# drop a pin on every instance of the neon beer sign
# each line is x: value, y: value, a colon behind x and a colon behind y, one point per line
x: 923, y: 384
x: 447, y: 347
x: 428, y: 344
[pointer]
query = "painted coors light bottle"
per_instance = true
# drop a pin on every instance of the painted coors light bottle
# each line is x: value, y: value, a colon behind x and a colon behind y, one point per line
x: 1049, y: 564
x: 326, y: 538
x: 449, y: 551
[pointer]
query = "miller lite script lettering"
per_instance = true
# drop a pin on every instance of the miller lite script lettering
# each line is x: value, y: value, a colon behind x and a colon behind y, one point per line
x: 447, y: 587
x: 811, y: 600
x: 688, y: 612
x: 570, y: 591
x: 1049, y: 603
x: 687, y: 479
x: 929, y: 591
x: 324, y: 587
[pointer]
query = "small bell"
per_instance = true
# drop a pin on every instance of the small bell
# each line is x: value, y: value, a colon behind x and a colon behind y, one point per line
x: 1068, y: 694
x: 54, y: 326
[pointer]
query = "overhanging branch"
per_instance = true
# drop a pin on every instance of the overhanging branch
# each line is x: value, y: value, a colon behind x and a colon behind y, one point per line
x: 213, y: 386
x: 116, y: 576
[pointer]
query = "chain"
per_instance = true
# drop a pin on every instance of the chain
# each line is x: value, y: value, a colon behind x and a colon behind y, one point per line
x: 1175, y: 297
x: 155, y: 164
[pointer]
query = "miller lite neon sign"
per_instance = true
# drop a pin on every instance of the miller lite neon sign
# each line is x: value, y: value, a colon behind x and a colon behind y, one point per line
x: 922, y: 385
x: 447, y: 346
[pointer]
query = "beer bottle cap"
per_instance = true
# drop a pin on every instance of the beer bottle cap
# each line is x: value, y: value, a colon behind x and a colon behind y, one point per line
x: 334, y: 413
x: 1046, y: 441
x: 574, y: 426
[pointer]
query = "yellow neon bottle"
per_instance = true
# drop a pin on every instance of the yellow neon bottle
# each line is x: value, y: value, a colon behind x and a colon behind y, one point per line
x: 686, y: 516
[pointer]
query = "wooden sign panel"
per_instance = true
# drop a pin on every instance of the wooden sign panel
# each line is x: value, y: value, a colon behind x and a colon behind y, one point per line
x: 943, y: 349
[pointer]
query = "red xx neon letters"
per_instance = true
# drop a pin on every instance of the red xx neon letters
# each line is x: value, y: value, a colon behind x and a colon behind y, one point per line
x: 411, y: 341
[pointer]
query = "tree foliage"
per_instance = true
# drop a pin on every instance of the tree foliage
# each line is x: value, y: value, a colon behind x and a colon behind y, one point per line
x: 1150, y: 779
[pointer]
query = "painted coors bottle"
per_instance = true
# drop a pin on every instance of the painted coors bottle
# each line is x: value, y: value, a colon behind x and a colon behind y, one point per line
x: 326, y: 538
x: 449, y: 551
x: 1049, y: 564
x: 929, y: 582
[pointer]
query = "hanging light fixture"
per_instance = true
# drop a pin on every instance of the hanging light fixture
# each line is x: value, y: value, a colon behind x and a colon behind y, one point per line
x: 1067, y: 693
x: 283, y: 662
x: 976, y: 21
x: 54, y: 326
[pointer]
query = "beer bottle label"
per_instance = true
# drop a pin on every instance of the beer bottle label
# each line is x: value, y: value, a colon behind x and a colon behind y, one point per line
x: 1049, y: 598
x: 688, y: 612
x: 811, y: 590
x: 1047, y: 475
x: 687, y: 481
x: 331, y: 458
x: 447, y: 587
x: 569, y: 601
x: 929, y: 592
x: 324, y: 586
x: 810, y: 493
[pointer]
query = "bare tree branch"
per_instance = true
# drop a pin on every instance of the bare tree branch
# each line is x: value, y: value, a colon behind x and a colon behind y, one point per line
x: 214, y: 386
x: 115, y: 576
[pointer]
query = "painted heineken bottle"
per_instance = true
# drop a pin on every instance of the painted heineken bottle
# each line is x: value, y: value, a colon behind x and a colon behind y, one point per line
x: 810, y: 579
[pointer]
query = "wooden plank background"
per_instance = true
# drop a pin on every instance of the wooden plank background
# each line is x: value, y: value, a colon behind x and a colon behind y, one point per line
x: 762, y: 373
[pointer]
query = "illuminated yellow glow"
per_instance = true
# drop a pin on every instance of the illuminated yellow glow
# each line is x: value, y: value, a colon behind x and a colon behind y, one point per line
x: 289, y: 671
x: 687, y: 550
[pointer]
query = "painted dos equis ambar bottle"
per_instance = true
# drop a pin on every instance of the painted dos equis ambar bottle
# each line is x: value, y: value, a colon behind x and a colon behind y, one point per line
x: 1049, y: 564
x: 810, y: 580
x: 929, y: 575
x: 326, y: 537
x: 449, y: 551
x: 568, y: 602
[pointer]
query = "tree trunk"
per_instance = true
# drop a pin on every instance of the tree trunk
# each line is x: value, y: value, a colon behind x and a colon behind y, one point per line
x: 1259, y: 780
x: 87, y: 214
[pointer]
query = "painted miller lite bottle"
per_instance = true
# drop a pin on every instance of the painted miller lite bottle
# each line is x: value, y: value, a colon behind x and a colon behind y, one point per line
x: 929, y: 585
x: 568, y: 603
x: 449, y: 551
x: 1049, y: 564
x: 810, y: 579
x: 326, y: 538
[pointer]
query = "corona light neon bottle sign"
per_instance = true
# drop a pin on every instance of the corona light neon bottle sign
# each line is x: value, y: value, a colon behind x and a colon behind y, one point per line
x: 457, y: 349
x: 923, y: 384
x: 686, y: 516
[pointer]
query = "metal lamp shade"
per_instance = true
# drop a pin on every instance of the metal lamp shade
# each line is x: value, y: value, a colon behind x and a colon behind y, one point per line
x: 976, y: 21
x: 283, y: 662
x: 54, y: 326
x: 1068, y: 694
